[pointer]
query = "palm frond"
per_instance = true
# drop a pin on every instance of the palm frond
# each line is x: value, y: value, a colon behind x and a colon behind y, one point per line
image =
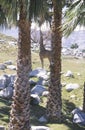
x: 75, y: 15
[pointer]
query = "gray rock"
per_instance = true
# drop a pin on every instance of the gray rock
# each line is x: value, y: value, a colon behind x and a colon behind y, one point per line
x: 69, y: 74
x: 38, y: 89
x: 8, y: 62
x: 11, y: 67
x: 78, y: 117
x: 3, y: 67
x: 39, y: 128
x: 45, y: 93
x: 72, y: 86
x: 12, y: 78
x: 2, y: 128
x: 32, y: 82
x: 7, y: 93
x: 43, y: 119
x: 42, y: 81
x: 39, y: 72
x: 3, y: 82
x: 35, y: 99
x: 12, y: 43
x: 63, y: 84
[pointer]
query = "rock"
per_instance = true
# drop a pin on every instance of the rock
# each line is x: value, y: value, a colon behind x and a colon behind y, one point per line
x: 35, y: 99
x: 43, y: 119
x: 11, y: 67
x: 78, y: 74
x: 45, y: 93
x: 63, y: 84
x: 39, y: 128
x: 83, y: 54
x: 3, y: 67
x: 72, y: 86
x: 78, y: 117
x: 69, y: 74
x: 3, y: 82
x: 32, y: 82
x: 42, y: 81
x: 72, y: 96
x: 2, y: 128
x: 39, y: 72
x: 8, y: 62
x: 38, y: 89
x: 12, y: 43
x: 7, y: 93
x: 12, y: 78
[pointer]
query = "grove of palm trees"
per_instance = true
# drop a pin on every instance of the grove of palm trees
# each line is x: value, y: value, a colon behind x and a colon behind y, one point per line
x: 56, y: 107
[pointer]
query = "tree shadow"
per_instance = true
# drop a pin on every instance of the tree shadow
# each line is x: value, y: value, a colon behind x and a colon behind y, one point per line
x: 68, y: 117
x: 37, y: 111
x: 4, y: 110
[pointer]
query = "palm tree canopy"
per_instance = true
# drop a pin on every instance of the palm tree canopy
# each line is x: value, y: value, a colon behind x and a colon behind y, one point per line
x: 75, y: 15
x: 2, y: 17
x: 33, y: 8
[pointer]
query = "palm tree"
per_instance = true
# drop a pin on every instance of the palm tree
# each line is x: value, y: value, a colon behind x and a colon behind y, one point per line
x: 19, y: 118
x: 54, y: 103
x: 20, y: 115
x: 75, y: 15
x: 20, y: 111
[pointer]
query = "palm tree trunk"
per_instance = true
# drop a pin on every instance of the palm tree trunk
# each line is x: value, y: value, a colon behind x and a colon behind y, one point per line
x: 20, y: 111
x: 84, y: 98
x: 54, y: 103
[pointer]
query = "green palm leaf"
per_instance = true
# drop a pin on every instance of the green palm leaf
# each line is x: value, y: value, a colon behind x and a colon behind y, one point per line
x: 75, y: 15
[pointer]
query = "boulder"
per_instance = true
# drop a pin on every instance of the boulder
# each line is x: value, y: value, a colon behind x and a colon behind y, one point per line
x: 45, y: 93
x: 32, y: 82
x: 38, y: 89
x: 63, y: 84
x: 39, y: 72
x: 78, y: 117
x: 35, y: 99
x: 72, y: 86
x: 42, y: 119
x: 8, y: 62
x: 12, y: 78
x: 42, y: 81
x: 3, y: 82
x: 69, y: 74
x: 3, y: 67
x: 7, y: 93
x: 2, y: 127
x: 11, y: 67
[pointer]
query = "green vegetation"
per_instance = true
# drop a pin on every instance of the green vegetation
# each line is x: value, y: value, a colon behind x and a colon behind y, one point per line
x: 74, y: 46
x: 8, y: 52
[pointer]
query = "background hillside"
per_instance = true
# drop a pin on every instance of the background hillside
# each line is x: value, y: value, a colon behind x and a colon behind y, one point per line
x: 76, y: 37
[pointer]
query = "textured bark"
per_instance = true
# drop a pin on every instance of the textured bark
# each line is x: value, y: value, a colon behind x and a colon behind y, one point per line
x: 54, y: 103
x: 84, y: 98
x: 20, y: 111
